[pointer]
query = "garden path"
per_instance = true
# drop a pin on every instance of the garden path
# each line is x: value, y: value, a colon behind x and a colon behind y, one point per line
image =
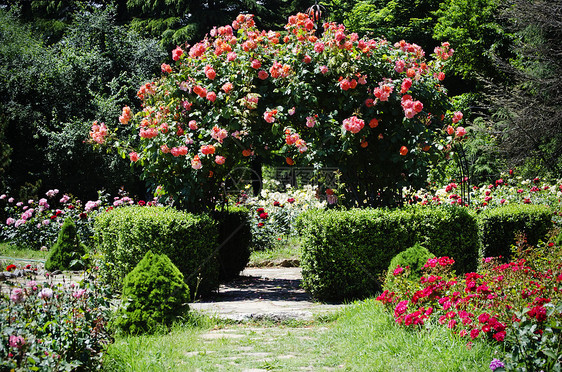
x: 273, y: 294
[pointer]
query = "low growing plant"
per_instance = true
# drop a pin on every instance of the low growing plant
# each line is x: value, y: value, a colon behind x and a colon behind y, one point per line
x: 412, y: 259
x: 54, y: 327
x: 514, y: 302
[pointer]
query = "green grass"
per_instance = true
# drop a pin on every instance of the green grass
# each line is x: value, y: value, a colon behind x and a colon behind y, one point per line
x: 8, y: 250
x: 288, y: 248
x: 361, y: 338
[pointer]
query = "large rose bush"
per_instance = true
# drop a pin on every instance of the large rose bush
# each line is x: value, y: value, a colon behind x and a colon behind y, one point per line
x: 376, y: 111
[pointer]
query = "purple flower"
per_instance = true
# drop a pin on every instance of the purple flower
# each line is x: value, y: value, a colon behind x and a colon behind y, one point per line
x: 496, y: 363
x: 65, y: 198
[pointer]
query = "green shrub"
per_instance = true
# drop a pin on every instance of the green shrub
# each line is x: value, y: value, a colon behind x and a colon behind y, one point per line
x: 154, y: 295
x: 345, y: 253
x: 414, y: 257
x: 68, y: 250
x: 124, y: 235
x: 235, y: 237
x: 499, y: 226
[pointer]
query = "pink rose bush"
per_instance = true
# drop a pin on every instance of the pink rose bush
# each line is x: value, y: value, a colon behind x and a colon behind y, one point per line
x: 256, y: 86
x: 493, y: 304
x: 35, y: 224
x: 48, y: 327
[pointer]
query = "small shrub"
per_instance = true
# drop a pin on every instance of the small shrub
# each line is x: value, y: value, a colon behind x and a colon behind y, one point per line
x: 154, y: 294
x: 234, y: 238
x: 346, y: 252
x: 413, y: 258
x: 124, y: 235
x: 68, y: 250
x: 500, y: 226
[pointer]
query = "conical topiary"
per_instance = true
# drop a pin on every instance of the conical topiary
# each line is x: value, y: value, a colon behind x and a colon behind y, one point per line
x: 67, y: 248
x: 414, y: 257
x: 154, y: 294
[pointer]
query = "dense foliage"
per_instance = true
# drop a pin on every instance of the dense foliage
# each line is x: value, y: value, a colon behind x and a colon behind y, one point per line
x: 234, y: 239
x: 48, y: 94
x: 501, y: 227
x: 412, y: 259
x: 154, y: 296
x: 124, y: 235
x: 334, y: 269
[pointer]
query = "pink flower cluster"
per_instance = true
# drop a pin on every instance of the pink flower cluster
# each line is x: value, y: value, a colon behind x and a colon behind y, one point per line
x: 353, y: 124
x: 481, y: 304
x: 99, y: 132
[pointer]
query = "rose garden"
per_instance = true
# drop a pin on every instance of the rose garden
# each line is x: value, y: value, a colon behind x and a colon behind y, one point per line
x: 465, y: 276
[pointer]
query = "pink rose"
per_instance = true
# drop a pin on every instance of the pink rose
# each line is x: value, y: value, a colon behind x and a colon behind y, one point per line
x: 220, y: 159
x: 133, y: 156
x: 177, y: 53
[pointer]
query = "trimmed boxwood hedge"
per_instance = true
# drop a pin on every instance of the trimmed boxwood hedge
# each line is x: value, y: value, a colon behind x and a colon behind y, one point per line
x: 124, y: 235
x: 235, y: 236
x: 346, y: 253
x: 498, y: 227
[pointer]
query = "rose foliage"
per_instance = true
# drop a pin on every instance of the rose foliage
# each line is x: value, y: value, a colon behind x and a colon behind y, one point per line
x: 375, y: 110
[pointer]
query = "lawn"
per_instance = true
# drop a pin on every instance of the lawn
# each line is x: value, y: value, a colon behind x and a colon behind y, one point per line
x: 360, y: 338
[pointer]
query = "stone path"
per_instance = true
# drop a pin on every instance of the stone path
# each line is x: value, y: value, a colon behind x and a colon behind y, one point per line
x: 264, y: 294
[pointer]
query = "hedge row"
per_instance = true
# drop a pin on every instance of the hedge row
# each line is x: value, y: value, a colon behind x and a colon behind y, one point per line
x: 345, y: 253
x: 124, y: 235
x: 235, y: 236
x: 203, y: 248
x: 499, y: 227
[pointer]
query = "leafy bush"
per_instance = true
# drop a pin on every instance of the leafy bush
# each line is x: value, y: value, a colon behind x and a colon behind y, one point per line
x: 499, y: 227
x: 67, y: 249
x: 413, y: 259
x: 48, y: 327
x: 154, y: 294
x: 124, y: 235
x: 345, y: 252
x: 234, y: 239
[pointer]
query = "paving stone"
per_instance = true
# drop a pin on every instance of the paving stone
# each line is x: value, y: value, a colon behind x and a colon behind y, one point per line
x: 271, y: 294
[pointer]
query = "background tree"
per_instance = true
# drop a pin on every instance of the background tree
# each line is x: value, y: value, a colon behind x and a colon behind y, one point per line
x: 48, y: 101
x: 529, y: 115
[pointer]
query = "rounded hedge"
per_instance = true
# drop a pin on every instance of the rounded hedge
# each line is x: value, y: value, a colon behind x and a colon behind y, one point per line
x: 413, y: 258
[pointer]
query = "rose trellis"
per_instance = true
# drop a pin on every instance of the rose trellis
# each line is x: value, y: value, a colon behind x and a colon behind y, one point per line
x: 376, y: 111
